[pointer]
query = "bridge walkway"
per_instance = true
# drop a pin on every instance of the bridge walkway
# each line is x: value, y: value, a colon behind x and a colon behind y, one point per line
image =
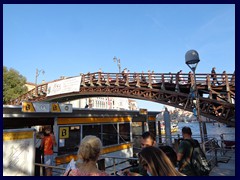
x: 216, y: 101
x: 225, y: 165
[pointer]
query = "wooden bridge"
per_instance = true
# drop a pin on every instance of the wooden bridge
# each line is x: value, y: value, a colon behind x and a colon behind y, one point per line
x: 216, y: 99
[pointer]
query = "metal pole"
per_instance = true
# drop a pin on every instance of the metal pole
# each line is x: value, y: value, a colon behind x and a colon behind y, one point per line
x: 36, y: 76
x: 119, y: 66
x: 167, y: 123
x: 115, y: 59
x: 199, y: 119
x: 157, y: 130
x: 114, y: 166
x: 147, y: 126
x: 37, y: 73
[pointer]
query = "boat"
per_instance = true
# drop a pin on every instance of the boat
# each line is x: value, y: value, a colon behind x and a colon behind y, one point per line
x: 174, y: 127
x: 229, y: 144
x: 113, y: 127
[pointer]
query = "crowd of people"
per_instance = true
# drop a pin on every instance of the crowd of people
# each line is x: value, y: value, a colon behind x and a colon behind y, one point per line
x: 150, y: 77
x: 153, y: 160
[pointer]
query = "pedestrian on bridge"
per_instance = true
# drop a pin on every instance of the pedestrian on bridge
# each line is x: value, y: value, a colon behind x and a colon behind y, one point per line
x: 233, y: 78
x: 214, y: 76
x: 181, y: 76
x: 171, y: 77
x: 143, y: 78
x: 153, y: 78
x: 190, y: 74
x: 223, y: 77
x: 124, y: 74
x: 135, y: 76
x: 101, y: 76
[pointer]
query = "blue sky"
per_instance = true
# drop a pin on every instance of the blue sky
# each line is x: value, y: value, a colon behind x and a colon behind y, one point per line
x: 65, y: 40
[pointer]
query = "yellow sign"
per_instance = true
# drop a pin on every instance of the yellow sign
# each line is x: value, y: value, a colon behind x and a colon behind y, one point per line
x: 61, y: 108
x: 63, y: 132
x: 93, y: 120
x: 45, y: 107
x: 55, y: 107
x: 27, y: 107
x: 143, y: 111
x: 10, y: 136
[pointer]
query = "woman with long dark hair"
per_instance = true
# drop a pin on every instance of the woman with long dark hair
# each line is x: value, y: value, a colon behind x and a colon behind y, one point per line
x: 156, y: 162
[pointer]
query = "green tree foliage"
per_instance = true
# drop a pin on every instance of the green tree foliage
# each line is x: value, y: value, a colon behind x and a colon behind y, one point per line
x: 13, y: 84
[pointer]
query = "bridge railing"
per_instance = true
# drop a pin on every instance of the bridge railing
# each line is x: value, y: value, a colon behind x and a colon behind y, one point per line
x: 156, y: 77
x: 141, y: 80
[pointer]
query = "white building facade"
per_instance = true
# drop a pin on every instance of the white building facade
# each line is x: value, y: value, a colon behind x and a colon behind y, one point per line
x: 105, y: 103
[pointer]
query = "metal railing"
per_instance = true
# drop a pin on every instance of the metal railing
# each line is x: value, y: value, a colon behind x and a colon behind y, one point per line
x: 214, y: 146
x: 115, y: 164
x: 148, y: 80
x: 59, y: 171
x: 215, y: 150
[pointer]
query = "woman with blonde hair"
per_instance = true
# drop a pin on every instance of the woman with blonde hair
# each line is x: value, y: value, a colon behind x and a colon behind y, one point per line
x: 156, y: 162
x: 88, y: 153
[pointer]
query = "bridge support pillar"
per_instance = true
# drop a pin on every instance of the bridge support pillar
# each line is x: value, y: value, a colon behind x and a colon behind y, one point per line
x: 99, y: 79
x: 127, y: 81
x: 138, y: 81
x: 209, y: 87
x: 83, y: 81
x: 227, y: 88
x: 204, y: 131
x: 177, y: 84
x: 117, y: 80
x: 167, y: 123
x: 91, y: 80
x: 150, y: 80
x: 163, y: 83
x: 107, y: 82
x: 177, y: 88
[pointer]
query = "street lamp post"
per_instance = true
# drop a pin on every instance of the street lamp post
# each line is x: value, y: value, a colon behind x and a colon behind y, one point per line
x: 192, y: 60
x: 118, y: 63
x: 37, y: 74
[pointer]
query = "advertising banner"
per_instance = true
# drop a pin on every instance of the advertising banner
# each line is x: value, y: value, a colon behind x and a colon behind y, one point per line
x: 64, y: 86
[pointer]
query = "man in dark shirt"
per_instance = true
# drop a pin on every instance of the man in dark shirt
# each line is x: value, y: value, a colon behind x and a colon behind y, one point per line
x: 184, y: 153
x: 214, y: 76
